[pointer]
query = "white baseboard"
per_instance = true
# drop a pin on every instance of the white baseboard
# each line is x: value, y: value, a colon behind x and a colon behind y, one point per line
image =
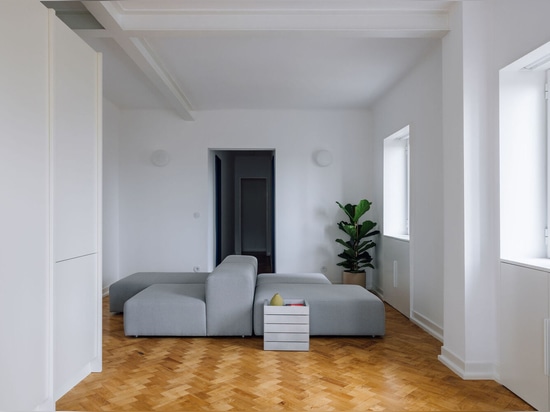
x: 467, y: 370
x: 105, y: 291
x: 432, y: 328
x: 47, y: 405
x: 96, y: 365
x: 72, y: 381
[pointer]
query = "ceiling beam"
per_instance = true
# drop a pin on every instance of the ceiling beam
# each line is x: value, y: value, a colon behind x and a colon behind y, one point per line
x: 139, y: 51
x: 363, y: 18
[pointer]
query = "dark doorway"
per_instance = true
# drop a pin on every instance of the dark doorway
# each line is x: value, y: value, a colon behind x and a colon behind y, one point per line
x: 244, y: 205
x: 254, y: 215
x: 218, y: 200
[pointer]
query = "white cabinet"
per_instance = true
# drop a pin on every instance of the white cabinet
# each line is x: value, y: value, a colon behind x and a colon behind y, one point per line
x: 524, y: 306
x: 75, y: 141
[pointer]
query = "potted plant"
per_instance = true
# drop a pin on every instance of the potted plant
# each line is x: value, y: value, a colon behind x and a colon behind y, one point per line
x: 356, y: 250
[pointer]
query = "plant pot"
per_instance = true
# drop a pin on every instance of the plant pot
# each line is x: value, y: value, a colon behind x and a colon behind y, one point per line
x: 357, y: 278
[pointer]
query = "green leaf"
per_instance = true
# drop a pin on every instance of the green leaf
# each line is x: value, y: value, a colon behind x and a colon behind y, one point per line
x: 362, y: 207
x: 347, y: 209
x: 365, y: 228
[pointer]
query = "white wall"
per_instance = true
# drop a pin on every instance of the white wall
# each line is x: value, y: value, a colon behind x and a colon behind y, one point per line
x: 160, y: 226
x: 111, y: 126
x: 416, y: 101
x: 25, y: 304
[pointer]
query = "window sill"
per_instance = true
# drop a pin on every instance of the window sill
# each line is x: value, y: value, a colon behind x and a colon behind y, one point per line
x: 403, y: 238
x: 531, y: 263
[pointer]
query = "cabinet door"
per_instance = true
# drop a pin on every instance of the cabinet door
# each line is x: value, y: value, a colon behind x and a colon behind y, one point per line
x: 524, y: 308
x: 396, y: 274
x: 75, y: 314
x: 75, y: 132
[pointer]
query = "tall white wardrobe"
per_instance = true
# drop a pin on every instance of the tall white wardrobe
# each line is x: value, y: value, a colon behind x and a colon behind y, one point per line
x: 50, y: 214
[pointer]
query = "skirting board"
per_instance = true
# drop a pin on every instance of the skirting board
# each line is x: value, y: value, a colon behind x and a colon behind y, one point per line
x: 47, y: 405
x: 94, y: 366
x: 106, y: 291
x: 467, y: 370
x: 435, y: 330
x: 63, y: 388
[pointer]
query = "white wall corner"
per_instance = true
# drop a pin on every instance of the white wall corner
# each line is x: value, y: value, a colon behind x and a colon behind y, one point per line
x: 467, y: 370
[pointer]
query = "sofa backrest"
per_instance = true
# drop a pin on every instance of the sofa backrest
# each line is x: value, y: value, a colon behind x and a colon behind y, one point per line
x: 230, y: 297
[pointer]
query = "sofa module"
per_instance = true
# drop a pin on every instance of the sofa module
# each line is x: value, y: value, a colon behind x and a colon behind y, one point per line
x: 333, y: 309
x: 166, y: 310
x: 221, y: 305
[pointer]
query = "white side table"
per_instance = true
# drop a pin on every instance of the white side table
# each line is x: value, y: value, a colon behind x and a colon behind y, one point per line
x: 286, y: 327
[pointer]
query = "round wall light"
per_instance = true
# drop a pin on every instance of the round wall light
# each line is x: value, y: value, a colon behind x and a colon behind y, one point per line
x: 160, y: 158
x: 323, y: 158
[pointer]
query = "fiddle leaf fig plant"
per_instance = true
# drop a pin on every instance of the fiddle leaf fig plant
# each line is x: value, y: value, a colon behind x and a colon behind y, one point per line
x: 356, y: 256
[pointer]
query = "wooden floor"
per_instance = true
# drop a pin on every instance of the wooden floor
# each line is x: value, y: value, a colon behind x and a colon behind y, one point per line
x: 398, y: 372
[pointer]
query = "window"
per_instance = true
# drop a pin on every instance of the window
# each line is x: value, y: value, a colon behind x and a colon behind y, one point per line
x: 396, y: 184
x: 524, y: 158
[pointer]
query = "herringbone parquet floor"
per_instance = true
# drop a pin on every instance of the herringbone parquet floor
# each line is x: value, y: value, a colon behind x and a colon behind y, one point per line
x: 398, y: 372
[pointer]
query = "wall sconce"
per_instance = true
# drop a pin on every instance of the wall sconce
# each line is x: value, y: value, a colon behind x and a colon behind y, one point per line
x: 322, y: 158
x: 160, y: 158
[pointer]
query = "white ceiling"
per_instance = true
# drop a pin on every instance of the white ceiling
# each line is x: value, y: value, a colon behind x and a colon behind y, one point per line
x: 192, y: 55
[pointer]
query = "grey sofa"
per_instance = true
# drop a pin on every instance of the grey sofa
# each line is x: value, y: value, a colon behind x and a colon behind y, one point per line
x: 229, y: 301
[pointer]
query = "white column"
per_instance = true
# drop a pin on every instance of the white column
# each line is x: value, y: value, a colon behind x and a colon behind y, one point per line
x: 470, y: 344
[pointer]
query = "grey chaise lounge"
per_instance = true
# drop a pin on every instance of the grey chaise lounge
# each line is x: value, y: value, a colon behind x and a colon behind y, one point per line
x: 333, y: 309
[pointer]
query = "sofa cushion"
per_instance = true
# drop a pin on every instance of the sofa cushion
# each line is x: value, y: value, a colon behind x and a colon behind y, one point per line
x: 333, y: 309
x: 124, y: 289
x: 292, y: 278
x: 167, y: 310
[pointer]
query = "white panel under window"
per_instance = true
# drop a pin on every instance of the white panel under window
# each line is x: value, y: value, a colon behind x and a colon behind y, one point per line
x: 396, y: 184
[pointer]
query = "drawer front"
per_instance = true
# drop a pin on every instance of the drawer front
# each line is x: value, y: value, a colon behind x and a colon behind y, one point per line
x: 286, y: 310
x: 286, y: 337
x: 291, y: 346
x: 286, y: 319
x: 286, y: 328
